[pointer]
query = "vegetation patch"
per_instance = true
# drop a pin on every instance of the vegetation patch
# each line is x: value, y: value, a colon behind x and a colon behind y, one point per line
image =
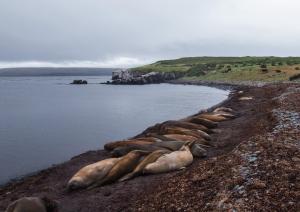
x: 269, y: 69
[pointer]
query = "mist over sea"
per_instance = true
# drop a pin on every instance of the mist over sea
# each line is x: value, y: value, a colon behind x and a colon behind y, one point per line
x: 45, y: 120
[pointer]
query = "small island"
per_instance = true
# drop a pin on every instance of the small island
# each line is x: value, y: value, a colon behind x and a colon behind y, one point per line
x: 79, y: 82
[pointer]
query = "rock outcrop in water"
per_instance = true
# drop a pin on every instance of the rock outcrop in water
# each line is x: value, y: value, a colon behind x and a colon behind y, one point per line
x: 136, y: 78
x: 79, y: 82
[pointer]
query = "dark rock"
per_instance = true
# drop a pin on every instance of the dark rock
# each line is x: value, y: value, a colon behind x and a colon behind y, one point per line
x: 79, y: 82
x: 135, y: 78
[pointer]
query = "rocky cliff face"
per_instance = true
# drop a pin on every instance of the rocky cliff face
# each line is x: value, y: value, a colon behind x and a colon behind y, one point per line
x: 128, y: 77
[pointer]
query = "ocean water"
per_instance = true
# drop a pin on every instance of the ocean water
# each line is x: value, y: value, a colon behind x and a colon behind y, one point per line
x: 45, y: 120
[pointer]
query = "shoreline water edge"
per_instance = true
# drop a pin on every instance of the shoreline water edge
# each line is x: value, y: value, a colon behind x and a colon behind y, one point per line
x: 226, y: 172
x: 226, y: 87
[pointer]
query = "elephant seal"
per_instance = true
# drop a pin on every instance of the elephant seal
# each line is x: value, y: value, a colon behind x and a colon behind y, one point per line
x: 172, y: 161
x: 246, y: 98
x: 225, y: 114
x: 212, y: 117
x: 159, y: 137
x: 152, y: 157
x: 188, y: 138
x: 158, y: 128
x: 32, y: 204
x: 202, y: 121
x: 198, y: 151
x: 112, y: 145
x: 186, y: 125
x: 123, y: 150
x: 124, y: 166
x: 170, y: 145
x: 183, y: 131
x: 179, y: 137
x: 204, y: 135
x: 223, y: 109
x: 91, y: 174
x: 149, y: 139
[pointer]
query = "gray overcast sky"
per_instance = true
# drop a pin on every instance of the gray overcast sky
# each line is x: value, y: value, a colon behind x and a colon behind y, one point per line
x: 131, y: 32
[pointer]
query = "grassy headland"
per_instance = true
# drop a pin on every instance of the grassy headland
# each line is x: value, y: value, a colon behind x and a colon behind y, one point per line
x: 228, y: 69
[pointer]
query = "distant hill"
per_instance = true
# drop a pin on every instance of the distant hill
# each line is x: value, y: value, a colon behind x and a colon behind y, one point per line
x: 230, y: 68
x: 56, y: 71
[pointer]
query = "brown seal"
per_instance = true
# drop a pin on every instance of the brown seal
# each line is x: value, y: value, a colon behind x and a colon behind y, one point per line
x: 202, y: 121
x: 179, y: 137
x: 112, y: 145
x: 91, y: 173
x: 123, y: 150
x: 183, y: 131
x: 152, y: 157
x: 212, y: 117
x: 196, y: 149
x: 172, y: 161
x: 124, y: 166
x: 223, y: 109
x: 158, y: 128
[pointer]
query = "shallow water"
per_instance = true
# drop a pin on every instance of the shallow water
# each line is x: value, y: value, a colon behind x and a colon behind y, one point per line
x: 44, y: 120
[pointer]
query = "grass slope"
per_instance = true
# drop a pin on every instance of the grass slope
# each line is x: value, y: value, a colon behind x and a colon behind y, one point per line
x: 230, y: 68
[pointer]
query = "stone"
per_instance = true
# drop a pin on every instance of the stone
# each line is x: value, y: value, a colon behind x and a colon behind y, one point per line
x: 79, y: 82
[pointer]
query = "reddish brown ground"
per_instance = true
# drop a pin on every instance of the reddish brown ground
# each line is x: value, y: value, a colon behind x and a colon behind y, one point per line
x: 254, y: 167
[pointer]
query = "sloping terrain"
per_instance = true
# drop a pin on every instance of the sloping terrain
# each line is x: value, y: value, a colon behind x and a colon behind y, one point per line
x: 230, y: 69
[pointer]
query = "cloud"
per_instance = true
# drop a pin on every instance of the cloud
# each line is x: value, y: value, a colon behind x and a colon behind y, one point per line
x: 90, y: 31
x: 120, y: 62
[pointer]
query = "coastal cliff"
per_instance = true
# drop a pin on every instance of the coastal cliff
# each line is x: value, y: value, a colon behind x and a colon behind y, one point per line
x: 139, y: 78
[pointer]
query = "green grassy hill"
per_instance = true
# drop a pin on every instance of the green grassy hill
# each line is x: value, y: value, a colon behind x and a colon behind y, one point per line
x: 230, y: 68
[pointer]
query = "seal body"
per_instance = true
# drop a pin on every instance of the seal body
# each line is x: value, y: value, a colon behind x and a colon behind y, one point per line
x: 179, y: 137
x: 170, y: 145
x: 149, y: 139
x: 152, y: 157
x: 27, y: 204
x: 185, y: 125
x: 183, y: 131
x: 123, y: 150
x: 124, y: 166
x: 158, y: 128
x: 213, y: 117
x: 91, y: 173
x: 198, y: 151
x: 172, y: 161
x: 223, y: 109
x: 246, y: 98
x: 112, y: 145
x: 225, y: 114
x: 203, y: 121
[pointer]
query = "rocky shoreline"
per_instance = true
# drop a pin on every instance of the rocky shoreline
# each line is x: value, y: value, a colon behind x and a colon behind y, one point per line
x: 254, y: 166
x: 126, y: 77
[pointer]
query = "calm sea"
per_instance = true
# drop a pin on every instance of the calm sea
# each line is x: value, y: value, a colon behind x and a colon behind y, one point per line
x: 44, y: 120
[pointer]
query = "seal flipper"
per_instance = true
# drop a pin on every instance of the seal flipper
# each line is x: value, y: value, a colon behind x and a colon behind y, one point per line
x: 97, y: 184
x: 128, y: 177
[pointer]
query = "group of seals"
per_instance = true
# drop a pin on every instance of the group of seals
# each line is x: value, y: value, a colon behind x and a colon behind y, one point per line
x: 171, y: 145
x: 164, y: 147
